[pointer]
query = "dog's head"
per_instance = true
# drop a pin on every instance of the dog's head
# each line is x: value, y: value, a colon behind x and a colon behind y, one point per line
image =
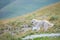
x: 34, y: 21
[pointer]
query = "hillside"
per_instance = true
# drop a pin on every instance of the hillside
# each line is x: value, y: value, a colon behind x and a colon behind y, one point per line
x: 51, y: 13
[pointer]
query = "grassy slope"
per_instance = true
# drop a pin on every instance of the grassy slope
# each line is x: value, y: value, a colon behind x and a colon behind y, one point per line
x: 47, y: 38
x: 52, y: 14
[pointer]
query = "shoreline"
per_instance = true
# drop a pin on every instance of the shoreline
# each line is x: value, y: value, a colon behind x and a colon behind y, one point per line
x: 14, y: 18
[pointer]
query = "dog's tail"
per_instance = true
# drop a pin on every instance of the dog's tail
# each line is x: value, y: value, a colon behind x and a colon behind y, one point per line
x: 51, y: 24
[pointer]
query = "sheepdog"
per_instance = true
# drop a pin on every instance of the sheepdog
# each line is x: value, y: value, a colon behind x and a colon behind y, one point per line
x: 37, y: 24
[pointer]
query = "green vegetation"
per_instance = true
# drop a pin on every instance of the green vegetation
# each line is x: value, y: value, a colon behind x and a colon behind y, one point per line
x: 47, y: 38
x: 7, y: 36
x: 52, y: 13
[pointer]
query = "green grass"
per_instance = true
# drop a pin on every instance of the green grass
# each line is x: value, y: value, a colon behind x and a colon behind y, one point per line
x: 47, y: 38
x: 7, y: 36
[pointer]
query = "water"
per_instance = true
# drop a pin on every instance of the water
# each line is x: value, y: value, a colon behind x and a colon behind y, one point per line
x: 22, y: 7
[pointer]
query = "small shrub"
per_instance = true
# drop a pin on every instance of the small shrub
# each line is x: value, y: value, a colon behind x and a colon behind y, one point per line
x: 54, y: 17
x: 31, y: 33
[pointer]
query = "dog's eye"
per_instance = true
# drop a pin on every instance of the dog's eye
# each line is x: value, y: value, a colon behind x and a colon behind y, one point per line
x: 32, y: 22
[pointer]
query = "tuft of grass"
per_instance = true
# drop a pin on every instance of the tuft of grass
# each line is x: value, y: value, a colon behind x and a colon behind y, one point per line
x: 54, y: 17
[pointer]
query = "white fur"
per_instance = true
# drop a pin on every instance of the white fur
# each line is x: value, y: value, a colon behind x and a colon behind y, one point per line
x: 41, y: 23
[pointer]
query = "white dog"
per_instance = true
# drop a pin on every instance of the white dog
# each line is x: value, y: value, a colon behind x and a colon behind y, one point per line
x: 41, y: 23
